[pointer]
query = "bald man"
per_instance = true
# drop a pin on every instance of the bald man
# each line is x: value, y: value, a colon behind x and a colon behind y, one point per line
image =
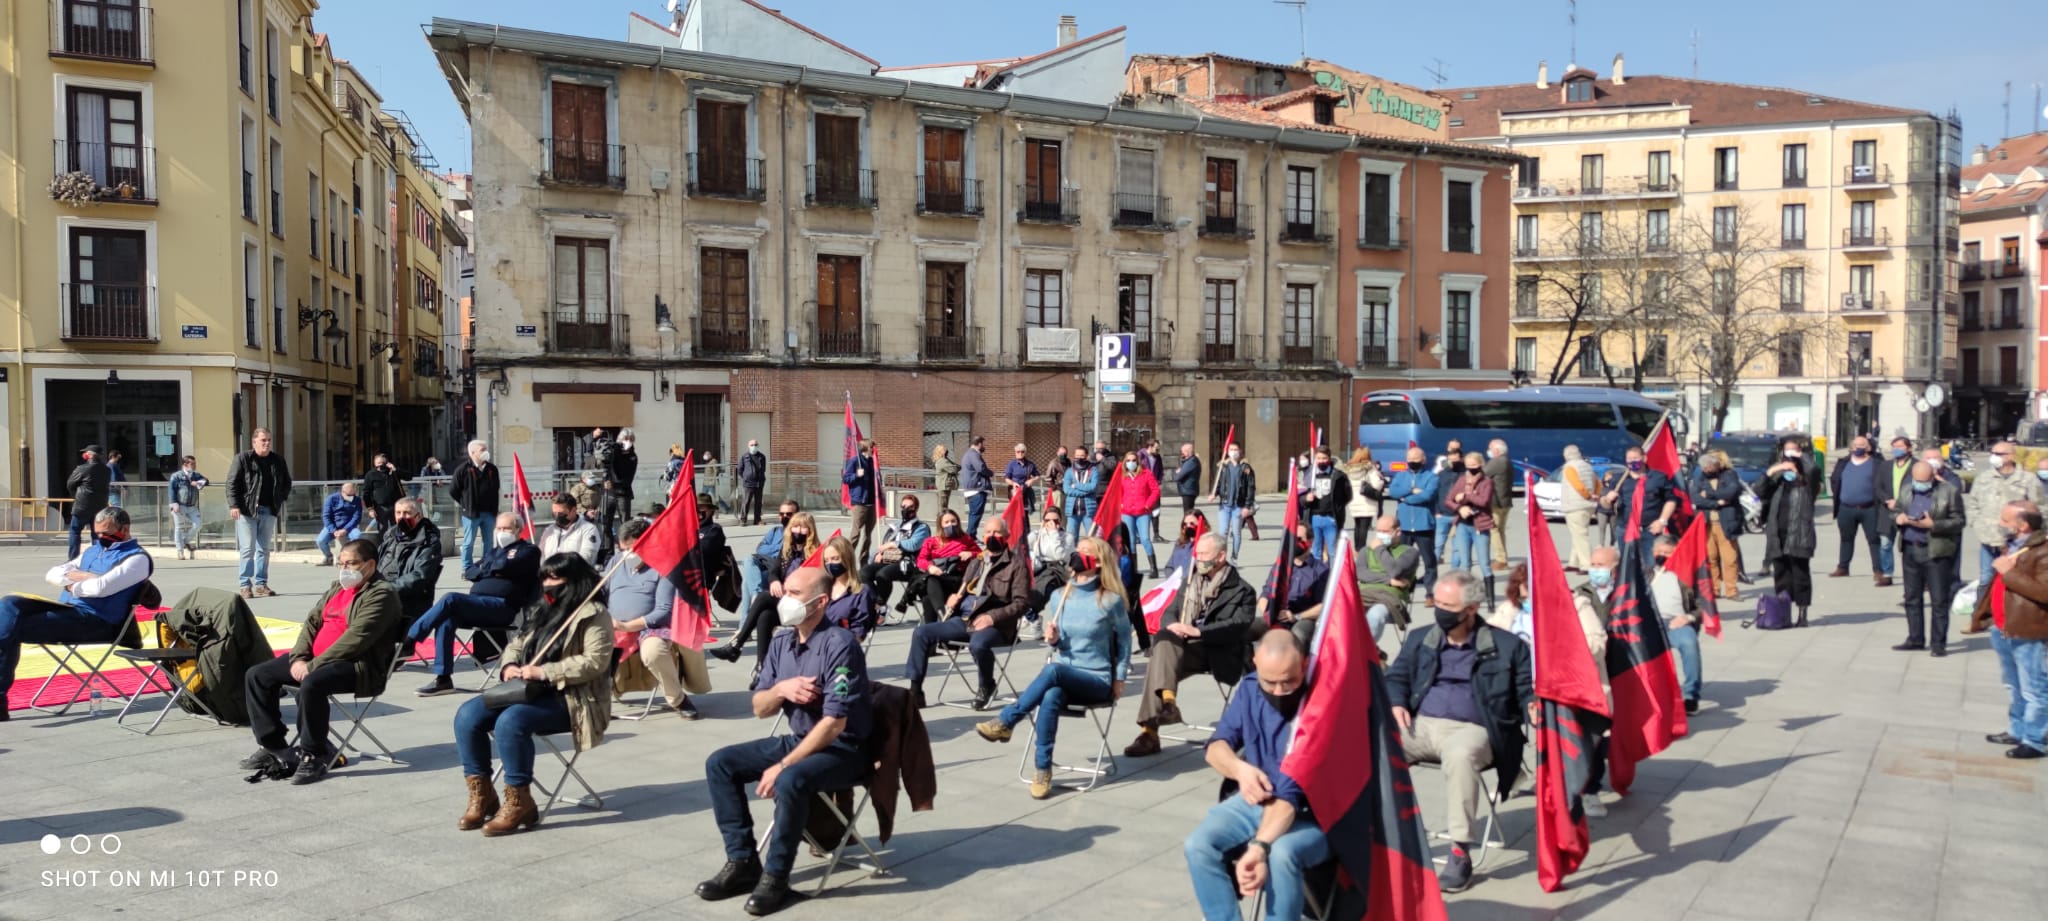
x: 994, y: 593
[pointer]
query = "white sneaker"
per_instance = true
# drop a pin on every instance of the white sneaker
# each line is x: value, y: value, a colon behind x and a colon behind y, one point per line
x: 1594, y: 808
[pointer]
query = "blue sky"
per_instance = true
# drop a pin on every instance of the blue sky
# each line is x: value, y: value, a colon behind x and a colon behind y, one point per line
x: 1871, y: 50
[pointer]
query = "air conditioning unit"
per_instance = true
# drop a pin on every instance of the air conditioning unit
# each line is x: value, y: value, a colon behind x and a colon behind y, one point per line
x: 1852, y: 302
x: 1547, y: 190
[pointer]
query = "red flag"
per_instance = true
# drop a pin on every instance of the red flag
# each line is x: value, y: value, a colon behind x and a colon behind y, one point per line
x: 1283, y: 568
x: 522, y: 499
x: 1574, y: 712
x: 1357, y: 783
x: 1660, y: 453
x: 1229, y: 438
x: 853, y: 437
x: 1019, y: 523
x: 1648, y: 712
x: 1109, y: 513
x: 817, y: 558
x: 670, y: 545
x: 1688, y: 562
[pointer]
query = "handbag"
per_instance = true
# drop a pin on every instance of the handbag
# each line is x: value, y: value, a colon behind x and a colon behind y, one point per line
x: 524, y: 690
x: 1773, y: 612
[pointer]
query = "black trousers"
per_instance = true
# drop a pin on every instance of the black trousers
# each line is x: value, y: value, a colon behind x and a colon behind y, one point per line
x: 750, y: 510
x: 1929, y: 581
x: 1847, y: 520
x: 1793, y: 575
x: 265, y: 683
x: 613, y: 510
x: 883, y: 578
x: 1187, y: 504
x: 936, y: 590
x: 761, y: 622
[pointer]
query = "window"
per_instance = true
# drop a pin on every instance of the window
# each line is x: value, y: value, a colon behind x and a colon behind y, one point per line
x: 1862, y: 288
x: 1376, y: 336
x: 1725, y: 168
x: 579, y: 149
x: 1043, y: 301
x: 1580, y: 90
x: 1525, y: 296
x: 1859, y: 353
x: 1792, y: 226
x: 333, y: 229
x: 2008, y: 254
x: 1529, y: 175
x: 1657, y: 288
x: 839, y: 306
x: 1973, y: 311
x: 1219, y: 196
x: 1325, y: 110
x: 1794, y: 156
x: 582, y: 316
x: 1461, y: 212
x: 1590, y: 362
x: 248, y: 169
x: 1971, y: 372
x: 1592, y: 173
x: 723, y: 301
x: 424, y: 227
x: 722, y: 166
x: 1379, y: 226
x: 1791, y: 356
x: 1721, y: 287
x: 1656, y: 360
x: 1136, y: 180
x: 1134, y: 312
x: 2008, y: 365
x: 315, y: 290
x: 1657, y: 230
x: 2009, y: 308
x: 1726, y: 230
x: 1526, y: 240
x: 1792, y: 288
x: 1659, y: 176
x: 277, y: 190
x: 945, y: 310
x: 272, y: 65
x: 279, y: 295
x: 1219, y: 319
x: 105, y: 138
x: 1298, y: 334
x: 1592, y: 231
x: 1042, y: 179
x: 313, y: 211
x: 252, y: 293
x: 945, y: 182
x: 1458, y: 330
x: 1863, y: 161
x: 242, y: 40
x: 1525, y: 354
x: 1298, y: 208
x: 1863, y: 223
x: 1592, y: 290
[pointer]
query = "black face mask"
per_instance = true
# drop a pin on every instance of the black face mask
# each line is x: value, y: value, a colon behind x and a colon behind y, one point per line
x: 563, y: 519
x: 953, y: 531
x: 910, y: 514
x: 1448, y: 619
x: 1287, y: 704
x: 1188, y: 533
x: 105, y: 541
x: 785, y: 516
x: 996, y: 544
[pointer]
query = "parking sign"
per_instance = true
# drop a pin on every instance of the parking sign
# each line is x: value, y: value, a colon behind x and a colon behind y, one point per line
x: 1113, y: 353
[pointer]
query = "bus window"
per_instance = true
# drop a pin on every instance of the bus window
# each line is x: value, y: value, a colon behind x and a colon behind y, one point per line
x: 1640, y: 421
x: 1387, y: 412
x: 1473, y: 414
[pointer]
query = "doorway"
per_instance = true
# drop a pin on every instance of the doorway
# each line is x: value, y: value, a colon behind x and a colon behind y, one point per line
x: 137, y: 418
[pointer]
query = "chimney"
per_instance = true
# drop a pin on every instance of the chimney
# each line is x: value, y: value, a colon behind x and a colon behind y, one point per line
x: 1977, y: 155
x: 1542, y: 75
x: 1070, y: 30
x: 1617, y: 78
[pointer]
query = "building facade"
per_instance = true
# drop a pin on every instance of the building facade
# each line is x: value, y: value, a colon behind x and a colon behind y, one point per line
x: 2003, y: 373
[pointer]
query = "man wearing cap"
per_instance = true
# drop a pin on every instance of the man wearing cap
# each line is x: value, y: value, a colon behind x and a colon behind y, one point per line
x: 89, y: 487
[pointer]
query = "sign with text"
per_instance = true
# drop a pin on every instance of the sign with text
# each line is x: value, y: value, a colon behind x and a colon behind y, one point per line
x: 525, y: 332
x: 192, y: 332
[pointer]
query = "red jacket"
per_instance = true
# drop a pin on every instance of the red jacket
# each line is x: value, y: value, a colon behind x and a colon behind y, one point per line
x: 939, y: 546
x: 1141, y: 492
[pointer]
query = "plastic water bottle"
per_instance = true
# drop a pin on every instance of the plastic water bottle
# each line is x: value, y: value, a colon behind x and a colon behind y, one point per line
x: 96, y: 696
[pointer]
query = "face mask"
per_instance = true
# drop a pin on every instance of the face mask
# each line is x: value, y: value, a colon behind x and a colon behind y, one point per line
x: 909, y: 514
x: 835, y: 570
x: 1789, y: 476
x: 1660, y: 558
x: 1209, y: 567
x: 2043, y: 474
x: 1527, y: 607
x: 1601, y: 578
x: 1232, y: 455
x: 1471, y: 469
x: 1187, y: 533
x: 1635, y: 466
x: 549, y: 596
x: 1381, y: 538
x: 785, y: 517
x: 1300, y: 546
x: 1922, y: 487
x: 996, y: 544
x: 1287, y: 704
x: 349, y: 578
x: 1323, y: 465
x: 1130, y: 466
x: 1792, y: 455
x: 1859, y: 452
x: 105, y: 541
x: 503, y: 538
x: 563, y: 519
x: 1898, y: 453
x: 485, y: 458
x: 799, y: 535
x: 953, y: 531
x: 791, y: 611
x: 1448, y: 619
x: 753, y: 449
x: 2007, y: 533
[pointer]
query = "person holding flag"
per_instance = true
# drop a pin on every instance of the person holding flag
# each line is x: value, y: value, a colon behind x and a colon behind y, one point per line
x: 1236, y: 494
x: 1137, y: 500
x: 1205, y: 631
x: 1295, y: 603
x: 1659, y: 504
x: 1573, y: 707
x: 860, y: 479
x: 1640, y: 669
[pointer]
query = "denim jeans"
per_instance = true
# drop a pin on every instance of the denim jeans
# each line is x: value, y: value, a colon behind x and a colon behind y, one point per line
x: 1141, y: 535
x: 326, y: 540
x: 731, y: 773
x: 476, y: 531
x: 30, y: 620
x: 1685, y: 641
x: 455, y: 610
x: 1425, y: 542
x: 253, y: 534
x: 80, y: 526
x: 1468, y: 547
x: 1985, y: 554
x: 1887, y: 547
x: 1056, y: 686
x: 1443, y: 531
x: 2024, y: 671
x: 1233, y: 528
x: 185, y: 528
x: 1231, y: 823
x: 515, y: 726
x: 1324, y: 528
x: 1081, y: 516
x: 975, y: 505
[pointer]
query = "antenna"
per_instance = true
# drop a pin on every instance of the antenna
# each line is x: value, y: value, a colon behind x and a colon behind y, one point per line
x: 1573, y: 17
x: 1695, y: 54
x: 1301, y: 15
x: 1437, y: 72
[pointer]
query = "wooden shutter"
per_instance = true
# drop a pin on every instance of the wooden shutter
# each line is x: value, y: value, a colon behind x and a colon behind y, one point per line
x: 721, y: 146
x: 945, y: 166
x: 1041, y: 171
x: 579, y: 150
x: 838, y: 170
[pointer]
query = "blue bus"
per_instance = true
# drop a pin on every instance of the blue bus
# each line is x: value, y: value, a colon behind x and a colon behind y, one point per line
x: 1536, y: 422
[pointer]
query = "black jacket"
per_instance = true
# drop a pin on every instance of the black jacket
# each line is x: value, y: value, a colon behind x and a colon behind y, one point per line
x: 511, y: 572
x: 1886, y: 493
x: 1503, y: 681
x: 753, y: 470
x: 1720, y: 495
x: 621, y: 463
x: 383, y: 488
x: 1187, y: 478
x: 88, y: 483
x: 412, y: 564
x: 1226, y: 626
x: 1336, y: 502
x: 257, y: 481
x: 475, y: 490
x: 1238, y: 489
x: 1788, y: 513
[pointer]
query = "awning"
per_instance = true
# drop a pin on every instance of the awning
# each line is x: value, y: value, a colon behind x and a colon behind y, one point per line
x: 585, y: 410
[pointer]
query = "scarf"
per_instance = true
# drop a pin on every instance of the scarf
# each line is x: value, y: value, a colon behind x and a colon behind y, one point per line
x: 1200, y: 591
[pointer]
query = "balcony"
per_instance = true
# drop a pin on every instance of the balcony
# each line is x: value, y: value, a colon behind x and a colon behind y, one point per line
x: 963, y: 345
x: 1137, y: 211
x: 1973, y: 269
x: 1152, y: 345
x: 1223, y: 352
x: 957, y: 197
x: 588, y: 333
x: 1040, y: 205
x: 122, y: 174
x: 1866, y: 177
x: 575, y: 162
x: 1619, y: 187
x: 1873, y: 305
x: 1309, y: 351
x: 1383, y: 233
x: 729, y: 336
x: 1219, y: 220
x: 840, y: 186
x: 721, y: 175
x: 95, y: 32
x: 2013, y: 269
x: 1866, y: 239
x: 862, y: 341
x: 1306, y: 226
x: 108, y: 313
x: 1381, y: 357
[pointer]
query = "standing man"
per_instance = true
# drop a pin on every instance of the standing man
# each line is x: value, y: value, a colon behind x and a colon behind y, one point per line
x: 1502, y: 472
x: 1415, y: 490
x: 1855, y: 486
x: 975, y: 483
x: 1892, y: 485
x: 1022, y: 474
x: 184, y: 489
x: 1236, y: 491
x: 620, y: 464
x: 341, y: 519
x: 258, y: 483
x: 89, y: 487
x: 475, y: 491
x: 861, y: 482
x: 383, y: 486
x: 1989, y: 494
x: 1326, y: 491
x: 1447, y: 469
x: 1187, y: 478
x: 1578, y: 498
x: 2015, y: 607
x: 1929, y: 519
x: 1659, y: 504
x: 753, y: 473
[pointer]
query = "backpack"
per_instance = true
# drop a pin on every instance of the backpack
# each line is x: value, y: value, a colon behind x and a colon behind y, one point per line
x: 725, y: 581
x: 1773, y: 612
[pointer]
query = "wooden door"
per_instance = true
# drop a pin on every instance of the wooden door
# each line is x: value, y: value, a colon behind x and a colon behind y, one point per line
x: 579, y: 148
x: 721, y: 147
x: 945, y: 169
x: 839, y: 331
x: 838, y: 168
x: 1042, y: 176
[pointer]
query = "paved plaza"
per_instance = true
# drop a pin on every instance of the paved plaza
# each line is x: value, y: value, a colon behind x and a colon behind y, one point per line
x: 1825, y: 777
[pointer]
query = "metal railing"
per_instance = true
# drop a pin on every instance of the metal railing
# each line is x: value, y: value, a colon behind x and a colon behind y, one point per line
x: 1307, y: 348
x: 1604, y: 187
x: 104, y: 32
x: 863, y: 341
x: 1044, y: 206
x: 1461, y: 238
x: 1380, y: 356
x: 749, y: 338
x: 728, y: 175
x: 836, y: 187
x: 1299, y: 225
x: 573, y: 161
x: 948, y: 196
x: 96, y: 310
x: 577, y: 331
x: 1383, y: 233
x: 1137, y: 210
x: 1866, y: 237
x: 1220, y: 220
x: 1221, y: 351
x: 124, y: 173
x: 1152, y: 344
x: 961, y: 345
x: 1866, y: 303
x: 1866, y: 175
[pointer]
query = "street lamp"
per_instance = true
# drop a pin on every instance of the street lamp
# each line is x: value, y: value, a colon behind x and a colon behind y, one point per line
x: 308, y: 316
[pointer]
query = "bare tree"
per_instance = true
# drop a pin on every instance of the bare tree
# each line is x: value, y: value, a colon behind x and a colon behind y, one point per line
x: 1610, y: 285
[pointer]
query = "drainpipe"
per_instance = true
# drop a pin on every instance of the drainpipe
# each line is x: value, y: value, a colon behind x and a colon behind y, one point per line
x: 21, y: 485
x: 1002, y: 241
x: 1266, y: 248
x: 788, y: 210
x: 1414, y: 223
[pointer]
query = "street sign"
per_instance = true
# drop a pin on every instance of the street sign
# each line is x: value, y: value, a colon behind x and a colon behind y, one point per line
x: 1119, y: 397
x: 525, y: 332
x: 1113, y: 354
x: 192, y: 332
x: 1111, y: 388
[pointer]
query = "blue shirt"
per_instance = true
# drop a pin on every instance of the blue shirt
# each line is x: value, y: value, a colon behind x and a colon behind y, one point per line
x: 1859, y: 484
x: 641, y: 591
x: 854, y: 610
x: 771, y: 542
x: 1094, y: 633
x: 1305, y: 584
x: 1415, y: 490
x: 1918, y: 504
x: 1451, y: 697
x: 1258, y: 733
x: 1019, y: 471
x: 833, y: 656
x: 342, y: 513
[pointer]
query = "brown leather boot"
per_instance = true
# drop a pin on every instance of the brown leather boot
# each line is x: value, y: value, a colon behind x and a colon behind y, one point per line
x: 518, y: 812
x: 483, y: 803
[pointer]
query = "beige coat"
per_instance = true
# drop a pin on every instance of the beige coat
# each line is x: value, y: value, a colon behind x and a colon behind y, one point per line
x: 584, y: 672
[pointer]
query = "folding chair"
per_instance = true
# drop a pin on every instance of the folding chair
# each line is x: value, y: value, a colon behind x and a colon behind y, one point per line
x: 1199, y: 733
x: 1319, y: 885
x: 590, y: 798
x: 837, y: 851
x: 129, y: 636
x: 1489, y: 837
x: 953, y: 651
x: 1104, y: 763
x: 356, y: 709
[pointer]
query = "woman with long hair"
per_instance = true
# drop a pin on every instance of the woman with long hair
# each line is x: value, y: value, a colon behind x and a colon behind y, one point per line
x: 799, y: 541
x: 564, y: 652
x: 1368, y: 486
x: 943, y: 560
x: 848, y: 603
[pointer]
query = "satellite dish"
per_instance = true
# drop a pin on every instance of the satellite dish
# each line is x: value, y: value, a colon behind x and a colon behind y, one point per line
x: 1935, y: 394
x: 1921, y: 405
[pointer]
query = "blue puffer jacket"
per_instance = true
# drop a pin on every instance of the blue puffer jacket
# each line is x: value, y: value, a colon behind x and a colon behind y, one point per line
x: 1415, y: 490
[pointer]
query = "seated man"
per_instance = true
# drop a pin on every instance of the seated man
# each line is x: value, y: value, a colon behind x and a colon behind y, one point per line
x: 1460, y: 689
x: 1204, y: 632
x: 816, y: 676
x: 345, y: 647
x: 341, y: 519
x: 643, y: 601
x: 94, y: 606
x: 1307, y: 581
x: 901, y: 540
x: 983, y: 613
x: 1267, y: 814
x: 410, y: 558
x: 1387, y: 566
x: 570, y: 533
x: 502, y: 584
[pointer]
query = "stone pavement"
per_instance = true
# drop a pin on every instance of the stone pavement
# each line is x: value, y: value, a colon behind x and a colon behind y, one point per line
x: 1826, y: 777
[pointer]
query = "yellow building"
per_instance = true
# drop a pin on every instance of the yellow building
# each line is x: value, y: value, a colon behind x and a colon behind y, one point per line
x: 193, y: 240
x: 1846, y: 209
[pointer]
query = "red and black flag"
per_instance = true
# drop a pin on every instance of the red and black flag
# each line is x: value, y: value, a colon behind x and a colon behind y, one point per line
x: 522, y: 499
x: 1357, y: 783
x: 1648, y: 713
x: 1689, y: 563
x: 670, y: 545
x: 1574, y: 712
x: 1660, y: 453
x: 1109, y: 513
x: 1017, y: 517
x: 1283, y: 568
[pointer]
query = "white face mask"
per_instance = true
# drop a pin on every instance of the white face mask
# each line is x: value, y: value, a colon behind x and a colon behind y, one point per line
x: 791, y: 611
x: 753, y: 449
x: 484, y: 458
x: 349, y: 578
x: 630, y: 560
x: 503, y: 538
